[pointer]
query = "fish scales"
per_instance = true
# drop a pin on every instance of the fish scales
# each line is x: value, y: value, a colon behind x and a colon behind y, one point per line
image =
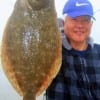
x: 31, y: 47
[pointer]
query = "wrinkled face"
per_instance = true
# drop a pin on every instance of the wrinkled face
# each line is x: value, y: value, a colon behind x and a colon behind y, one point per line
x: 77, y: 29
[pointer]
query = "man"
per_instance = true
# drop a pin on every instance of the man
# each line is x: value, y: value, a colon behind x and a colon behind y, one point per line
x: 79, y: 77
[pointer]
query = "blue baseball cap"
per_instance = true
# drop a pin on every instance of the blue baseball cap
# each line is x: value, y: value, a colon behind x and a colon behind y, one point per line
x: 75, y: 8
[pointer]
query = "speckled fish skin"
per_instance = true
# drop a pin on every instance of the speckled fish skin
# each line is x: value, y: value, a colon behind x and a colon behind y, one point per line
x: 31, y: 47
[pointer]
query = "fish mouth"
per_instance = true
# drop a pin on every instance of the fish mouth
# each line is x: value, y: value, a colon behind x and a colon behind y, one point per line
x: 38, y: 4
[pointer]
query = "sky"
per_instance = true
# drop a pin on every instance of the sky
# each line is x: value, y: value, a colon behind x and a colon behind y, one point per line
x: 6, y: 8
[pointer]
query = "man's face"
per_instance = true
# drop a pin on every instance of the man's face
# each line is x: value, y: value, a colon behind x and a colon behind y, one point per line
x: 77, y: 29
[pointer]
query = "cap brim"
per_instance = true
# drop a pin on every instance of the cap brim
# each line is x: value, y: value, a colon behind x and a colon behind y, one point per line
x: 77, y: 14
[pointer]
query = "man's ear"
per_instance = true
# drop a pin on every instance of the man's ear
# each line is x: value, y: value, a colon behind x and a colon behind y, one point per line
x: 63, y: 23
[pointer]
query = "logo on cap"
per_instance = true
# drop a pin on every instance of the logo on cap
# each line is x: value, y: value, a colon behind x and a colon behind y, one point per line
x: 81, y: 4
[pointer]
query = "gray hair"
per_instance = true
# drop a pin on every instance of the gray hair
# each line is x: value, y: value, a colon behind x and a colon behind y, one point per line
x: 64, y: 17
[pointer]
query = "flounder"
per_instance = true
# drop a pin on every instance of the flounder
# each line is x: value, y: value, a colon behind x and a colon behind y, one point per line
x: 31, y: 47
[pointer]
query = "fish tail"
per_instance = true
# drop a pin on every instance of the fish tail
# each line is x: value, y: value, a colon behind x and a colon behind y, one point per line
x: 29, y: 96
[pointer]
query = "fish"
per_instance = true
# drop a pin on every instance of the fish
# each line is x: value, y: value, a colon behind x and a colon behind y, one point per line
x: 31, y: 47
